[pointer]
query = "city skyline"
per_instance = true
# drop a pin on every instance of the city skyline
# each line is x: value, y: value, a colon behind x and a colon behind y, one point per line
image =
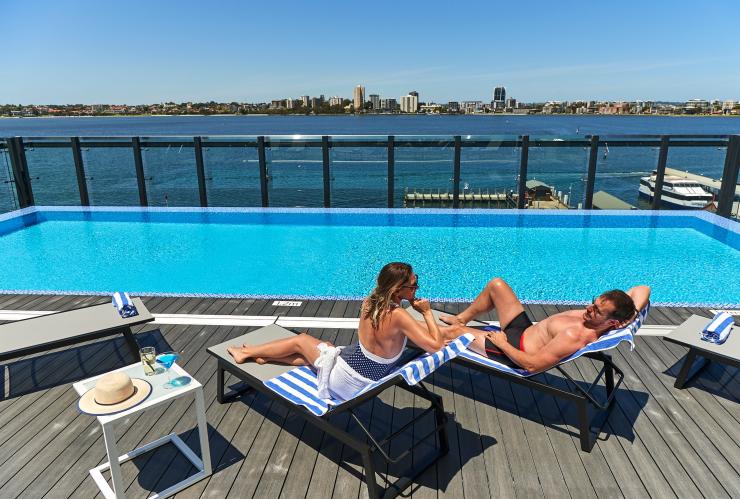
x: 89, y: 52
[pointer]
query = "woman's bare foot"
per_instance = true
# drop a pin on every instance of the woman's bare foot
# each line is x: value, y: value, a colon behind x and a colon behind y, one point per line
x: 452, y: 320
x: 240, y: 356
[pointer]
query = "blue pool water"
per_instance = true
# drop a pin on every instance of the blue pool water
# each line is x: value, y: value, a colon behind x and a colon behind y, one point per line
x: 687, y: 258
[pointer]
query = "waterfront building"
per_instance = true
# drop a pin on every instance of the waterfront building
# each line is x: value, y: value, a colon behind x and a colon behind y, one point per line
x: 471, y: 106
x: 696, y: 106
x: 358, y: 97
x: 336, y: 101
x: 511, y: 103
x: 415, y: 94
x: 375, y: 101
x: 277, y: 104
x: 410, y: 103
x: 499, y: 95
x: 388, y: 104
x: 304, y: 99
x: 453, y: 106
x: 316, y: 102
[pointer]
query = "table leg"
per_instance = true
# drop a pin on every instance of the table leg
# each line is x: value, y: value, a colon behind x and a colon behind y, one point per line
x: 688, y: 363
x: 111, y: 448
x: 205, y: 450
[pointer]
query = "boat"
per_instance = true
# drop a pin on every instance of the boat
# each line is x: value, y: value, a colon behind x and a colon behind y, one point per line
x: 677, y: 193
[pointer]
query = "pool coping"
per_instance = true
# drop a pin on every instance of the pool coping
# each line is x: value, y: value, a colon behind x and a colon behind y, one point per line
x: 712, y: 218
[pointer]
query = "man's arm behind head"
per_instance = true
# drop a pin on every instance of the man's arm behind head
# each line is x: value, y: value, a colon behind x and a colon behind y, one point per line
x: 640, y: 295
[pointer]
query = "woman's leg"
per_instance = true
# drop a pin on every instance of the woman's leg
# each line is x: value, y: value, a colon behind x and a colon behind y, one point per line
x: 303, y: 345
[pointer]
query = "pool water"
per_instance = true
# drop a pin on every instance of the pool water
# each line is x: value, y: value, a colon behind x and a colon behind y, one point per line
x: 550, y: 257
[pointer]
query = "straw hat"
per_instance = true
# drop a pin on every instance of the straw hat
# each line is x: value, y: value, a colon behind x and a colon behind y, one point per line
x: 114, y: 392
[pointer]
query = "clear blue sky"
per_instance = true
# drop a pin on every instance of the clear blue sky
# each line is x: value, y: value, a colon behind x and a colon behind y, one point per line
x: 149, y: 51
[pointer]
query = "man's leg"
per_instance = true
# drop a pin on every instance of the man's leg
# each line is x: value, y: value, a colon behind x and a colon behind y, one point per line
x: 496, y: 295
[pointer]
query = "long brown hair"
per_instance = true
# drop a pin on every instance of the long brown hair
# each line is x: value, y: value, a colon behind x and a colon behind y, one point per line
x: 380, y: 302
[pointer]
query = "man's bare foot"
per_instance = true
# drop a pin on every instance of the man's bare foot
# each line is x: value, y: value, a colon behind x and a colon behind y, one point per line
x: 238, y: 353
x: 452, y: 320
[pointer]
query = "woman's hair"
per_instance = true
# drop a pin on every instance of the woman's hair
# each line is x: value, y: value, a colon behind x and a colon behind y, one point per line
x: 380, y: 302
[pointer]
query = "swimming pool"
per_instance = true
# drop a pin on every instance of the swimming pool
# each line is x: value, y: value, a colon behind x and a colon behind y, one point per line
x: 547, y: 256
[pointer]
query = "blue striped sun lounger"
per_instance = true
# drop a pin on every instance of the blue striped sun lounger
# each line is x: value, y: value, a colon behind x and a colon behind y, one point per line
x: 584, y: 397
x: 300, y: 385
x: 297, y: 390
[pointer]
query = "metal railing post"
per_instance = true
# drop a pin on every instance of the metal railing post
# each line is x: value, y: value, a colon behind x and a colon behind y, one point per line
x: 263, y: 171
x: 391, y: 171
x: 729, y: 177
x: 327, y: 173
x: 80, y: 170
x: 524, y: 158
x: 660, y: 172
x: 593, y: 154
x: 456, y: 173
x: 200, y: 170
x: 22, y: 179
x: 139, y: 164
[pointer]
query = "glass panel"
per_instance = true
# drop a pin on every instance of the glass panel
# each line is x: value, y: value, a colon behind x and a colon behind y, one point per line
x: 359, y: 175
x: 556, y: 176
x: 111, y: 174
x: 232, y: 174
x: 296, y: 174
x: 619, y: 171
x: 695, y: 173
x: 424, y: 175
x: 8, y: 195
x: 53, y: 175
x: 488, y: 173
x: 171, y: 178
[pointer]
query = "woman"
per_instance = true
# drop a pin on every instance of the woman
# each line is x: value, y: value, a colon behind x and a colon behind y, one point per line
x: 384, y: 329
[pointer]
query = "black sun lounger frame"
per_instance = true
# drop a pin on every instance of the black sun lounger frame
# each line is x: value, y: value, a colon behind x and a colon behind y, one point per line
x: 367, y: 449
x: 589, y: 428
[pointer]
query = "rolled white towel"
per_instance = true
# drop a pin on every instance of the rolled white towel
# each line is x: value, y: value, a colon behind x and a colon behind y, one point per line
x: 124, y: 305
x: 718, y: 329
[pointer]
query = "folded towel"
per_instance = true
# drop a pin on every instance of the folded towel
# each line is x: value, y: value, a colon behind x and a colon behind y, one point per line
x: 124, y: 305
x: 718, y: 329
x: 324, y: 365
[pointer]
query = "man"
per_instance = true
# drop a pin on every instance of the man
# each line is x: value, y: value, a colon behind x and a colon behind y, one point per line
x: 537, y: 347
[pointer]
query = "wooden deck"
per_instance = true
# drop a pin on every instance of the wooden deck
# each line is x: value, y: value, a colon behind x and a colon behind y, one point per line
x: 506, y: 440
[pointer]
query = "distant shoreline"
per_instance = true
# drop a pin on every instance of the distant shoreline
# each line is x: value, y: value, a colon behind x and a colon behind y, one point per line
x: 481, y: 115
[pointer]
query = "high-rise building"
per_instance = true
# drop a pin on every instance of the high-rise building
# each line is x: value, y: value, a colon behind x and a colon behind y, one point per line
x: 499, y: 95
x: 358, y: 97
x: 304, y: 98
x: 415, y: 94
x: 316, y: 102
x: 335, y: 101
x: 375, y: 101
x: 410, y: 103
x: 511, y: 103
x: 388, y: 104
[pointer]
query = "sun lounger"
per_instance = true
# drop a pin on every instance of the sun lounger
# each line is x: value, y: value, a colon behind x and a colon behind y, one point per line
x: 38, y: 334
x: 296, y: 388
x: 581, y: 396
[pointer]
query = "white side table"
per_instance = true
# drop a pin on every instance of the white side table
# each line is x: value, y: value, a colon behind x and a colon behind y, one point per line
x: 159, y: 395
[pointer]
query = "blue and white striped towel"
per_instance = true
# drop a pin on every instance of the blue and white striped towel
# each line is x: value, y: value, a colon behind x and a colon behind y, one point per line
x: 300, y: 385
x: 124, y: 305
x: 718, y: 329
x: 605, y: 342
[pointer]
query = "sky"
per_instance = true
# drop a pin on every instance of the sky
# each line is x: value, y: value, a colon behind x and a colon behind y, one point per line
x: 136, y: 52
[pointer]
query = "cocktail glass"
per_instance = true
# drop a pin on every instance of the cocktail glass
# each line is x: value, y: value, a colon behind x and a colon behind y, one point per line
x: 166, y: 359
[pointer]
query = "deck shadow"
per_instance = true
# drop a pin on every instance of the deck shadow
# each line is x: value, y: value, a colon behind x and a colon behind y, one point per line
x: 352, y: 463
x: 718, y: 379
x: 51, y: 369
x: 562, y: 416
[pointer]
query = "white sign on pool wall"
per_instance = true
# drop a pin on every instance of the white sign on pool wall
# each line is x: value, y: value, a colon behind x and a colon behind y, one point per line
x: 281, y: 303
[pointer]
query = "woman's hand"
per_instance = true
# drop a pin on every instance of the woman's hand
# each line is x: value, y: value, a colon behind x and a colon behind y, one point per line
x: 421, y: 305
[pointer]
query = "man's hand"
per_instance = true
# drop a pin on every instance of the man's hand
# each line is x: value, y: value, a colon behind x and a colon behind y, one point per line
x: 421, y: 305
x: 497, y: 338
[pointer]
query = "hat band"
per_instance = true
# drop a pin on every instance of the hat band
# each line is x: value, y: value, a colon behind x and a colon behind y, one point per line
x: 120, y: 401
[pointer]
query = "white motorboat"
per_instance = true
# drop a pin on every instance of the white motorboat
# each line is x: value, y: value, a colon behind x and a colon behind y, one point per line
x: 678, y: 193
